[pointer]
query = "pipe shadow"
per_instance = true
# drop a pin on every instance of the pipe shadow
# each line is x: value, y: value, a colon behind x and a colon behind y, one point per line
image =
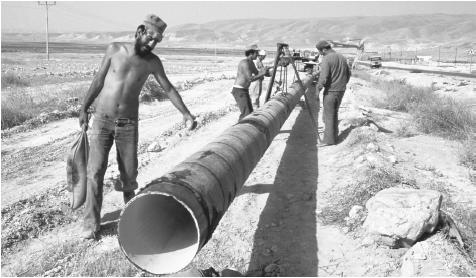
x: 109, y: 223
x: 286, y: 233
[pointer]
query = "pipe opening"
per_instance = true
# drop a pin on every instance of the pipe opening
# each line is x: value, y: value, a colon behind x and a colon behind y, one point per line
x: 158, y: 233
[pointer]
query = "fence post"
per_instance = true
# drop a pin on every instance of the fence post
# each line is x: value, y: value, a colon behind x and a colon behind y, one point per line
x: 439, y: 55
x: 470, y: 62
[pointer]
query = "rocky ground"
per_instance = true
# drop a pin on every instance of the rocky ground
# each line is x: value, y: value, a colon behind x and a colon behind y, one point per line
x: 289, y: 219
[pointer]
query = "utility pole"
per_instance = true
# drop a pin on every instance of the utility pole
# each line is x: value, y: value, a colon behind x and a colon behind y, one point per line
x: 47, y: 4
x: 439, y: 55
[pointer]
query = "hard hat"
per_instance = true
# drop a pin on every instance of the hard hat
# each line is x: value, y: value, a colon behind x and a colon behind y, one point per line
x: 253, y: 47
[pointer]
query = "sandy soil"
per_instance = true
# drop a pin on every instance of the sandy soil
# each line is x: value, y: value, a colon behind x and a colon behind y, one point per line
x: 275, y: 217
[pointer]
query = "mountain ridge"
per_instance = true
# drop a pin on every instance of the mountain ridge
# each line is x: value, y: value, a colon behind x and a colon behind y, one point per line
x: 403, y: 31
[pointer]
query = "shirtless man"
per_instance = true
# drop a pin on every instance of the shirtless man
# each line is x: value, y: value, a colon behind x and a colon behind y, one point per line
x: 247, y: 73
x: 115, y: 90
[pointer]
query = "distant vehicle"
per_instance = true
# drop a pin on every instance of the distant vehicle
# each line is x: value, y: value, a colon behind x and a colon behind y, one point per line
x: 305, y: 59
x: 375, y: 62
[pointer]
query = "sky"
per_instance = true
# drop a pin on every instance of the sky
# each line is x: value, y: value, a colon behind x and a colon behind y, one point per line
x: 102, y: 16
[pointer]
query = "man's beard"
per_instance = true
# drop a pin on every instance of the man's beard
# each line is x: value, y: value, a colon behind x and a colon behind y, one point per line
x: 138, y: 50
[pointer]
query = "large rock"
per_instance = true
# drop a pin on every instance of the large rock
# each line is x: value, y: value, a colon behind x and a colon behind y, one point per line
x: 403, y: 215
x: 155, y: 147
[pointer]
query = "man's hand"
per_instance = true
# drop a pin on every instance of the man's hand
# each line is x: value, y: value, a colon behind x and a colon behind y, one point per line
x: 315, y: 74
x: 269, y: 71
x: 190, y: 121
x: 83, y: 120
x: 262, y: 71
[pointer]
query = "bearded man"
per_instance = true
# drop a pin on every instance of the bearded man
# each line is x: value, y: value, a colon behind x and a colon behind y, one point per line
x: 115, y: 92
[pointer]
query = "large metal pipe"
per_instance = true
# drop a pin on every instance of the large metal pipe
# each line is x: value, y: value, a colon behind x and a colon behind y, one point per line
x: 170, y: 220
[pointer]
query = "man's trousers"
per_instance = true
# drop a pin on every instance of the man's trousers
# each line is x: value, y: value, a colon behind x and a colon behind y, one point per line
x: 243, y: 100
x: 331, y: 103
x: 103, y: 133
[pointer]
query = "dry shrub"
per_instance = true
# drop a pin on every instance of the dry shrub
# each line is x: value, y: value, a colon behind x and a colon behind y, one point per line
x: 17, y: 107
x: 361, y: 136
x: 342, y: 199
x: 467, y: 153
x: 31, y: 217
x: 34, y: 108
x: 462, y: 214
x: 12, y: 117
x: 11, y: 79
x: 403, y: 130
x: 399, y: 96
x: 433, y: 114
x: 446, y: 117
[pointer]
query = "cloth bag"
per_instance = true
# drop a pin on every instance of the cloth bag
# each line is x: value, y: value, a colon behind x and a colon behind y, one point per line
x: 76, y: 170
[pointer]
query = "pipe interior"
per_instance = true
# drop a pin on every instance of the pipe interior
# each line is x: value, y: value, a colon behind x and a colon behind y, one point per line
x: 158, y: 233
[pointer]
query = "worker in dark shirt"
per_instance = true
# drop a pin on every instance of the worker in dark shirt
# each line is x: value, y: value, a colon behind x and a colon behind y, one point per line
x: 333, y: 77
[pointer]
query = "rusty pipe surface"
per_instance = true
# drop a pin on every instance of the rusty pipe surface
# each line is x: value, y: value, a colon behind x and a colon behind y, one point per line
x: 162, y: 228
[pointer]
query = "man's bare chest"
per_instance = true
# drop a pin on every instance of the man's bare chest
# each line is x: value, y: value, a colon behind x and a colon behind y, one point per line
x: 129, y: 67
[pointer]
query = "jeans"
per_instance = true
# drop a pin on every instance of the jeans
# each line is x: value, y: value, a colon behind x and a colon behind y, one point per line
x: 243, y: 100
x: 103, y: 133
x: 331, y: 103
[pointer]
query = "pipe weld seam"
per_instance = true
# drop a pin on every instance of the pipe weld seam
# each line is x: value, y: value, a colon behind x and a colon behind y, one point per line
x: 213, y: 174
x: 261, y: 127
x: 241, y: 164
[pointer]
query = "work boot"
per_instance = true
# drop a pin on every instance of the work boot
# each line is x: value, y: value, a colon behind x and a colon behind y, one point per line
x: 209, y: 272
x: 128, y: 195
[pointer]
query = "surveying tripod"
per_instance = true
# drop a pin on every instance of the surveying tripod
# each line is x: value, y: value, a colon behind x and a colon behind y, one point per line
x: 284, y: 58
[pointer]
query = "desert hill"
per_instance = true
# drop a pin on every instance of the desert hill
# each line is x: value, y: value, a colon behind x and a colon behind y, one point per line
x: 420, y: 31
